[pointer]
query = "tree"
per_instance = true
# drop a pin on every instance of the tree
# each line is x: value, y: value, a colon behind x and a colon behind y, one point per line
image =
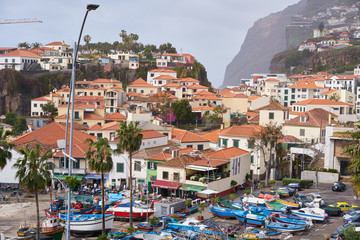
x: 24, y: 45
x: 167, y: 48
x: 130, y: 139
x: 99, y: 158
x: 165, y: 107
x: 33, y: 173
x: 266, y: 142
x: 10, y: 118
x: 87, y: 39
x: 147, y: 53
x: 182, y: 111
x: 353, y: 150
x: 19, y: 126
x: 49, y: 109
x: 5, y: 146
x: 36, y: 45
x: 321, y: 28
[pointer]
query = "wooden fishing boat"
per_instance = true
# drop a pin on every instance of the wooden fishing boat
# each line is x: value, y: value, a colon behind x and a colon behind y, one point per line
x: 250, y: 218
x: 122, y: 210
x: 283, y: 227
x: 147, y: 227
x: 251, y: 233
x: 222, y: 212
x: 266, y: 196
x: 49, y: 227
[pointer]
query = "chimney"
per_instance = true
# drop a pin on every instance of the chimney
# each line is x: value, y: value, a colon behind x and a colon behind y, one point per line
x: 175, y: 153
x: 329, y: 118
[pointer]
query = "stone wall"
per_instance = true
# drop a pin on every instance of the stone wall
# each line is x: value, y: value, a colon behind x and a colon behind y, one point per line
x: 323, y: 177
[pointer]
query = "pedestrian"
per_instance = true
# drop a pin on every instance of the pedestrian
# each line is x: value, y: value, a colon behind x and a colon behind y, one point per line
x: 95, y: 185
x: 6, y: 197
x: 17, y: 197
x: 236, y: 189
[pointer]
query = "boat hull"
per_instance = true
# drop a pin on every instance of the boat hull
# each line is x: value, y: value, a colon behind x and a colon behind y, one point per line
x: 124, y: 213
x: 286, y: 227
x: 222, y: 212
x: 313, y: 217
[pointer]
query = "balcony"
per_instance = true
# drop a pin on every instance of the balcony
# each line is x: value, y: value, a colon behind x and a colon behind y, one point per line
x: 80, y: 171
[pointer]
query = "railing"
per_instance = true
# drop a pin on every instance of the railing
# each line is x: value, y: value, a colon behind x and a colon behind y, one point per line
x: 212, y: 178
x: 73, y: 170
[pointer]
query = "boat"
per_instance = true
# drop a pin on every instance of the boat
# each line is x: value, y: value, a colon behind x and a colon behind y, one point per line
x: 278, y: 204
x: 251, y: 233
x: 189, y: 224
x: 288, y: 221
x: 253, y: 200
x: 122, y: 210
x: 222, y: 212
x: 250, y: 218
x: 49, y: 227
x: 87, y: 224
x: 289, y: 216
x: 266, y: 196
x: 315, y: 214
x: 147, y: 227
x: 119, y: 234
x: 283, y: 227
x: 287, y: 203
x: 54, y: 213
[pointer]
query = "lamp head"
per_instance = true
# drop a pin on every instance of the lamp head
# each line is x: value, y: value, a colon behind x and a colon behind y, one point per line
x: 90, y: 7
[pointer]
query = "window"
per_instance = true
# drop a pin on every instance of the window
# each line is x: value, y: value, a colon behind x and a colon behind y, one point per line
x: 99, y: 93
x: 76, y: 164
x: 176, y: 176
x: 119, y: 167
x: 99, y: 135
x: 236, y: 143
x: 225, y: 142
x: 35, y: 104
x: 13, y: 60
x: 292, y: 96
x: 142, y: 91
x: 251, y: 143
x: 77, y: 115
x: 341, y: 110
x: 41, y: 105
x: 286, y: 98
x: 152, y: 165
x: 63, y: 164
x: 252, y: 159
x: 91, y: 93
x: 189, y: 146
x: 271, y: 115
x: 200, y: 147
x: 137, y: 166
x: 286, y: 91
x: 165, y: 175
x: 302, y: 132
x: 302, y: 119
x: 160, y: 82
x: 285, y: 104
x: 6, y: 60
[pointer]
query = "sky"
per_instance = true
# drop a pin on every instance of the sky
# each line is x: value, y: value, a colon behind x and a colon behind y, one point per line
x: 211, y: 30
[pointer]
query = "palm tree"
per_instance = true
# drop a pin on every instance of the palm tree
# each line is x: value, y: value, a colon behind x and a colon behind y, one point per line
x: 5, y: 147
x: 87, y: 39
x: 99, y: 157
x: 36, y: 45
x: 24, y: 45
x: 33, y: 173
x: 130, y: 141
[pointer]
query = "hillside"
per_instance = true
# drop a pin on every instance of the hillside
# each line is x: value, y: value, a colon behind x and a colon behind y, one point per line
x: 278, y: 32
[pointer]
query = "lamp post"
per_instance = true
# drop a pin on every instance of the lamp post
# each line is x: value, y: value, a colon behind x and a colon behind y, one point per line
x: 89, y: 8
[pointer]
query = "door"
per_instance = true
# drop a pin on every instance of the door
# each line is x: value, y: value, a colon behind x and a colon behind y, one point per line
x: 343, y: 168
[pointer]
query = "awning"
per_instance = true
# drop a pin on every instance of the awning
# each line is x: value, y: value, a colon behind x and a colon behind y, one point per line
x: 191, y: 188
x: 63, y: 176
x: 199, y: 168
x: 166, y: 184
x: 94, y: 176
x: 209, y: 192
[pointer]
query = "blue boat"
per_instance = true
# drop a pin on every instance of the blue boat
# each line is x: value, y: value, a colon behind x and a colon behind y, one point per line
x: 249, y: 218
x: 291, y: 217
x: 283, y: 227
x: 288, y: 221
x: 222, y: 212
x: 256, y: 233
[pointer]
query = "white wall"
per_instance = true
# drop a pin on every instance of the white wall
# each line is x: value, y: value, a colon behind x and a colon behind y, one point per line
x: 7, y: 175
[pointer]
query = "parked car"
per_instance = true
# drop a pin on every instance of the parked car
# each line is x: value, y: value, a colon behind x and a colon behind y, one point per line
x: 344, y: 206
x: 350, y: 214
x: 331, y: 211
x: 300, y: 198
x: 291, y: 191
x: 339, y: 186
x: 294, y: 185
x: 340, y: 229
x: 282, y: 192
x: 353, y: 219
x: 314, y: 196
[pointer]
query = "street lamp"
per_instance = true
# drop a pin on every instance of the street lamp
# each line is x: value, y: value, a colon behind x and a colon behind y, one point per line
x: 89, y: 8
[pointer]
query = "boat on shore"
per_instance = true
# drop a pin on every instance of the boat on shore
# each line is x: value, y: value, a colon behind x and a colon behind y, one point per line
x: 251, y: 233
x: 315, y: 214
x: 283, y: 227
x: 222, y: 212
x: 49, y: 227
x: 122, y: 210
x: 88, y: 224
x: 250, y: 218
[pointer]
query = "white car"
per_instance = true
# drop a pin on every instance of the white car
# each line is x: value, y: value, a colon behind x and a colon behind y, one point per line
x: 314, y: 196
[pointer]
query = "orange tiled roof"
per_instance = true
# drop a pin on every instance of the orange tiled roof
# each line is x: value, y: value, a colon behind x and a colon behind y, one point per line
x: 78, y: 151
x: 330, y: 91
x: 111, y: 126
x: 166, y: 77
x: 320, y: 102
x: 227, y: 153
x: 83, y: 82
x: 172, y: 85
x: 243, y: 130
x: 346, y: 77
x: 148, y: 134
x: 251, y: 114
x: 305, y: 83
x: 273, y: 106
x: 133, y: 94
x: 21, y: 53
x: 49, y: 134
x: 316, y: 117
x: 272, y: 80
x: 104, y: 80
x: 43, y: 98
x: 196, y: 86
x: 203, y: 108
x: 164, y: 94
x: 56, y: 44
x: 81, y: 105
x: 163, y: 70
x: 204, y: 92
x: 95, y: 127
x: 214, y: 135
x: 115, y: 117
x: 189, y: 80
x: 140, y: 83
x: 91, y: 116
x: 184, y: 136
x: 167, y: 155
x: 206, y: 97
x: 252, y: 98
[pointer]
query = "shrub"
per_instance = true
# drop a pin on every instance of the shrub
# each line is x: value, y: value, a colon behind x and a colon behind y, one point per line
x: 247, y: 191
x: 332, y: 170
x: 272, y: 182
x: 102, y: 237
x: 154, y: 221
x: 306, y: 183
x: 131, y: 230
x: 261, y: 185
x: 232, y: 197
x: 323, y: 170
x: 248, y: 176
x: 303, y: 183
x: 233, y: 183
x: 188, y: 203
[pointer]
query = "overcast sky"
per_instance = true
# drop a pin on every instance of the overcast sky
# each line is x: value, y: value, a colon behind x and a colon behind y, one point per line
x: 210, y: 30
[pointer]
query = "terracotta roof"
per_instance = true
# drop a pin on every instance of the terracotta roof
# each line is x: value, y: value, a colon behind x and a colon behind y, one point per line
x: 227, y: 153
x: 65, y: 89
x: 204, y: 92
x: 95, y: 127
x: 211, y: 163
x: 207, y: 97
x: 172, y: 85
x: 272, y: 80
x: 289, y: 139
x: 179, y: 162
x: 163, y: 70
x: 252, y: 98
x: 141, y: 112
x: 56, y: 43
x: 314, y: 118
x: 104, y: 80
x: 203, y: 108
x: 346, y: 77
x: 140, y: 83
x: 147, y: 152
x: 21, y: 53
x: 273, y: 106
x: 49, y: 134
x: 81, y: 105
x: 242, y: 130
x: 43, y: 98
x: 305, y: 83
x: 115, y: 117
x: 214, y: 135
x: 83, y: 82
x: 321, y: 102
x: 89, y: 98
x: 251, y: 114
x: 189, y: 80
x: 78, y: 151
x: 330, y: 91
x: 196, y: 86
x: 133, y: 94
x: 48, y: 48
x: 164, y: 94
x: 166, y: 77
x: 148, y: 134
x: 184, y: 136
x: 78, y: 126
x: 295, y: 112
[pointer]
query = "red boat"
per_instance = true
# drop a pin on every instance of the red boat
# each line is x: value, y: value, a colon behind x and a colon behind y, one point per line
x: 122, y: 210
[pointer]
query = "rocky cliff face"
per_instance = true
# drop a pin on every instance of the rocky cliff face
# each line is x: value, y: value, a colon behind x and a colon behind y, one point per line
x: 271, y: 35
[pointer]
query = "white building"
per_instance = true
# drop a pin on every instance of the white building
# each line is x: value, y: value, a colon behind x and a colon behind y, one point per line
x: 158, y: 72
x: 345, y: 82
x: 19, y: 60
